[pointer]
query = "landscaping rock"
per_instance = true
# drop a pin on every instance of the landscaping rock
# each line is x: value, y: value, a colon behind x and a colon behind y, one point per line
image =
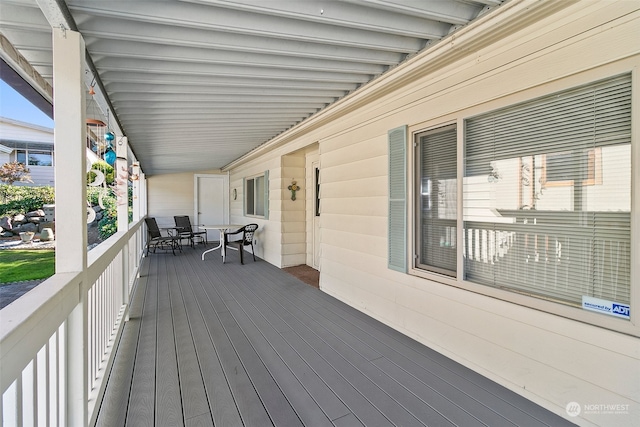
x: 25, y: 228
x: 36, y: 219
x: 36, y: 213
x: 6, y: 223
x: 6, y: 234
x: 19, y: 218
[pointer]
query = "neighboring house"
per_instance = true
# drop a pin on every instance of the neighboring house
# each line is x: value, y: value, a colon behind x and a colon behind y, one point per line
x: 477, y: 198
x: 29, y: 144
x: 32, y: 145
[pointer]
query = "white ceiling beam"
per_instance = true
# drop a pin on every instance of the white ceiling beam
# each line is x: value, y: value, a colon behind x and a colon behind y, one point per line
x: 203, y: 97
x: 159, y: 52
x: 27, y: 18
x: 119, y: 29
x: 209, y: 18
x: 216, y: 70
x: 340, y: 14
x: 227, y: 81
x: 143, y: 109
x: 451, y: 12
x: 115, y: 88
x: 18, y: 63
x: 161, y: 118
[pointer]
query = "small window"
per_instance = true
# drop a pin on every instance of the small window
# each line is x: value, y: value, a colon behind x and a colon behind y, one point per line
x: 21, y: 156
x: 40, y: 158
x: 34, y: 157
x: 255, y: 193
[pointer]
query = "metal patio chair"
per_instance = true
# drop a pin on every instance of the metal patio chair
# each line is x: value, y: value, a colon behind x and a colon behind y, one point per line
x: 156, y: 240
x: 247, y: 232
x: 185, y: 231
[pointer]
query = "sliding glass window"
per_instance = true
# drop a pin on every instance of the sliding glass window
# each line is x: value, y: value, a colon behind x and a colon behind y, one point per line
x: 437, y: 200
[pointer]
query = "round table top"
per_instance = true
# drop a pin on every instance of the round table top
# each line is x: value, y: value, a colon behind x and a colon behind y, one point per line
x: 221, y: 226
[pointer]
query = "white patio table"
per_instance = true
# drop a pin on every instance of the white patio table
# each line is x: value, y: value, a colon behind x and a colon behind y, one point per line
x: 222, y: 228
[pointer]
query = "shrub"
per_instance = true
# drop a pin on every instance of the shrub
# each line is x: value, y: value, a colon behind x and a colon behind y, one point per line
x: 25, y: 199
x: 17, y: 200
x: 105, y: 168
x: 14, y: 171
x: 108, y: 225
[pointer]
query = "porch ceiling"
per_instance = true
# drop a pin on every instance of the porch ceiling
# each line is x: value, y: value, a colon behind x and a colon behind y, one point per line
x: 195, y: 84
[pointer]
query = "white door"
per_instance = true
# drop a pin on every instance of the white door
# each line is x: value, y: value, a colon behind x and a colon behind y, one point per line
x: 211, y: 202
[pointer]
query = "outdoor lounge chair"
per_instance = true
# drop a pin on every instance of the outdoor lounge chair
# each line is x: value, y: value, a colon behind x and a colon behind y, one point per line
x: 156, y: 240
x: 185, y: 231
x: 246, y: 233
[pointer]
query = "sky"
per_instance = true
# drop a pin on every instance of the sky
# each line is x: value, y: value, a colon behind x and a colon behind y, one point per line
x: 15, y: 106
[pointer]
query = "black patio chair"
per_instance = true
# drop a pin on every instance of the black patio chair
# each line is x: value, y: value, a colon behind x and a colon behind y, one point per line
x: 156, y: 240
x: 246, y: 239
x: 185, y: 231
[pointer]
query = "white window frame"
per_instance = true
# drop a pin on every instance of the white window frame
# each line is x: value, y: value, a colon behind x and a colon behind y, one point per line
x: 631, y: 326
x: 257, y: 198
x: 27, y: 152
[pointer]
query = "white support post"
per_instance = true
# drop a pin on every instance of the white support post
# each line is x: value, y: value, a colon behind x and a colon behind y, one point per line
x: 71, y: 206
x: 143, y: 194
x: 122, y: 192
x: 137, y: 183
x: 122, y: 182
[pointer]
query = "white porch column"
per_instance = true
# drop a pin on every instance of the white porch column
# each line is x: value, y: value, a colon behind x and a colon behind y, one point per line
x: 71, y: 205
x: 137, y: 182
x: 122, y: 182
x: 122, y: 193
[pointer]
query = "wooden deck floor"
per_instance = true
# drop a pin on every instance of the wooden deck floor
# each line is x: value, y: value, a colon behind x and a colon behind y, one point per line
x: 231, y: 345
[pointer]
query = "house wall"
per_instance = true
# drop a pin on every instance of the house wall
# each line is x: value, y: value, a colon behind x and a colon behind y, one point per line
x: 526, y: 50
x: 171, y: 194
x: 268, y: 237
x: 294, y: 248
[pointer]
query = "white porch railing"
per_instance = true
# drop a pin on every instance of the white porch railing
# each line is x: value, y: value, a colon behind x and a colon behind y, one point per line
x: 37, y: 356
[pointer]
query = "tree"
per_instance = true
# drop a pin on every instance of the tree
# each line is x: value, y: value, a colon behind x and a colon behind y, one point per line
x: 14, y: 171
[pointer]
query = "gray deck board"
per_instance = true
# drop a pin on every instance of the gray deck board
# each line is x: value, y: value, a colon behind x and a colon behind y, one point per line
x: 168, y: 399
x: 492, y: 404
x: 222, y: 404
x: 142, y: 400
x: 253, y: 346
x: 343, y: 359
x: 250, y: 408
x: 192, y: 391
x: 353, y: 365
x: 278, y: 341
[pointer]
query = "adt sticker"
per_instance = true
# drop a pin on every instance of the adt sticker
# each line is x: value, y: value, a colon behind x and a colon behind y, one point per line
x: 607, y: 307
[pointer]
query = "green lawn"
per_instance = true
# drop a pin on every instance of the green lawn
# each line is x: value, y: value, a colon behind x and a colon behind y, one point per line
x: 16, y: 265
